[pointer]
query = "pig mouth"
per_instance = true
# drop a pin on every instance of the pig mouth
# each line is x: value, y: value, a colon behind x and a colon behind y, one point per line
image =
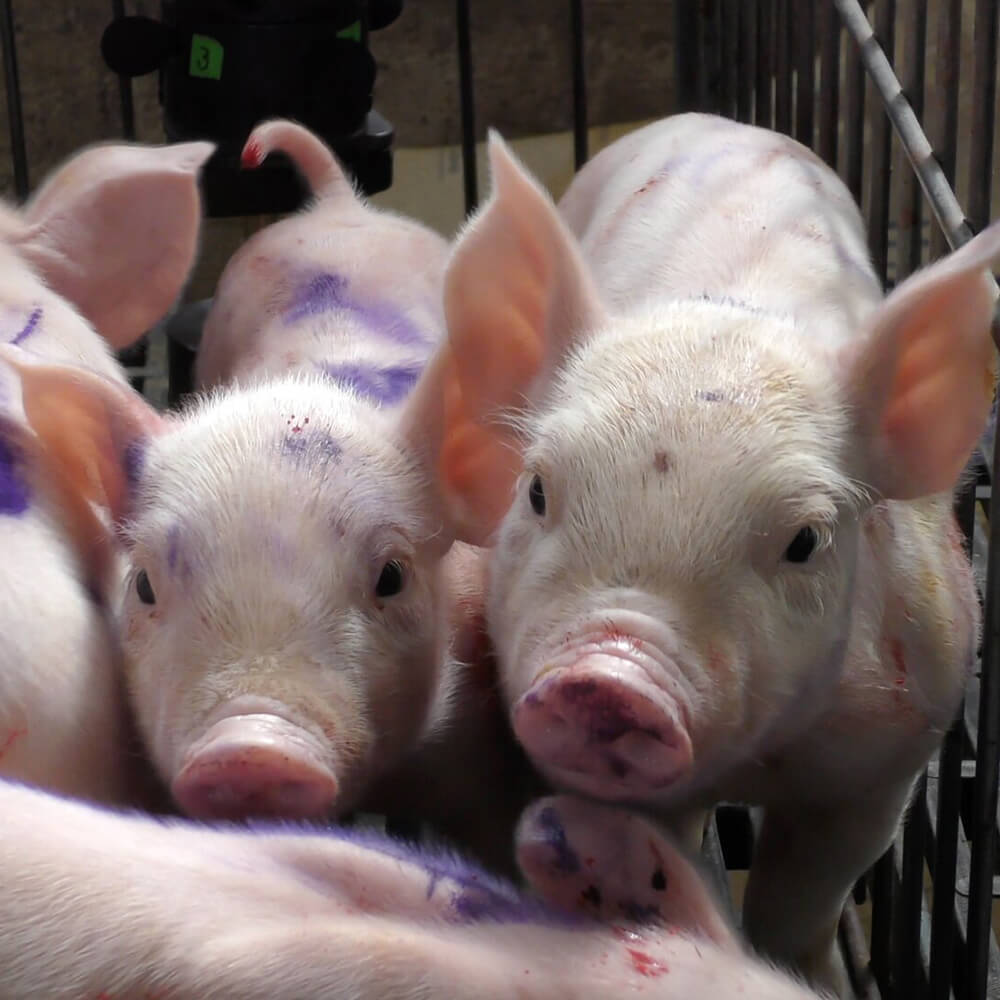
x: 608, y: 718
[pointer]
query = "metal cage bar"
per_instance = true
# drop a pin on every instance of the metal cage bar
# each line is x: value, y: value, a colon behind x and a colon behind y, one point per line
x: 804, y: 42
x: 468, y: 105
x: 15, y: 111
x: 578, y: 57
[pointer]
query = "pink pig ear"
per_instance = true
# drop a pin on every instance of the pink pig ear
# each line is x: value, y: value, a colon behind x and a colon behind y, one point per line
x: 115, y: 231
x: 923, y: 380
x: 517, y: 295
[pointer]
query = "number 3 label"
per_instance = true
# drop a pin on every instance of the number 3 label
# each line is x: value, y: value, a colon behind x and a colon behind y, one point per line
x: 206, y: 58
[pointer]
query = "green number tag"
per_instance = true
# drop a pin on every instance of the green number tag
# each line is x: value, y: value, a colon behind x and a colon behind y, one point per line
x: 206, y: 57
x: 351, y: 32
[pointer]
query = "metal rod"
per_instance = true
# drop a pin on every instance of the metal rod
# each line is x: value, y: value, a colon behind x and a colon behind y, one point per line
x: 468, y: 105
x: 854, y: 120
x: 763, y: 114
x: 782, y: 67
x: 747, y: 76
x: 829, y: 85
x: 686, y: 55
x: 984, y: 87
x: 882, y: 914
x: 881, y: 151
x: 579, y: 83
x: 918, y: 150
x: 804, y: 39
x: 907, y: 978
x: 729, y: 79
x: 909, y: 224
x: 18, y: 149
x: 124, y: 85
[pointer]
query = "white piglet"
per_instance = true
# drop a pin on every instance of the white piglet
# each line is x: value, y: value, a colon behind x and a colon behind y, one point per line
x: 290, y: 622
x: 721, y: 463
x: 102, y: 248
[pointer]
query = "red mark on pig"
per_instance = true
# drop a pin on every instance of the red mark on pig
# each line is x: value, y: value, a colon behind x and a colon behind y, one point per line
x: 896, y: 648
x: 645, y: 965
x: 12, y: 737
x: 661, y: 461
x: 252, y: 156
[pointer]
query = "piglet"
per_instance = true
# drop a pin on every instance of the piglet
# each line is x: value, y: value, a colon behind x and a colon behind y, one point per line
x: 726, y: 565
x: 104, y: 904
x: 104, y: 245
x: 290, y: 623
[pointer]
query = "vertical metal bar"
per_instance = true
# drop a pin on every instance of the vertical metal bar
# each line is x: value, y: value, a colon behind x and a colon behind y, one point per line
x: 881, y: 150
x: 124, y: 85
x: 882, y: 879
x: 854, y: 120
x: 579, y: 83
x: 686, y: 54
x: 729, y: 26
x: 984, y: 89
x: 943, y: 111
x: 765, y: 63
x: 710, y: 24
x: 747, y: 77
x: 907, y: 978
x: 18, y: 149
x: 782, y: 67
x: 909, y: 228
x: 829, y: 84
x: 804, y: 39
x: 468, y: 104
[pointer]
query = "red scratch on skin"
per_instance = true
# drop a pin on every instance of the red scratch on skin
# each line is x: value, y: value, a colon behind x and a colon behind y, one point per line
x: 12, y: 737
x: 252, y: 156
x: 646, y: 965
x: 896, y: 647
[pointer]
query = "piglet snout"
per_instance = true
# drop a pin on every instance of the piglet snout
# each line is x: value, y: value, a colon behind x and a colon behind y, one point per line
x: 255, y: 765
x: 603, y: 728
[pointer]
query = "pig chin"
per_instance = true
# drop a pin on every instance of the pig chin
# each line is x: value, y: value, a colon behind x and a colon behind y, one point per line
x: 607, y: 714
x: 252, y: 761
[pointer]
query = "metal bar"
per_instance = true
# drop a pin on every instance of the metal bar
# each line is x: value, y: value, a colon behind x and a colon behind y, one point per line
x: 918, y: 150
x: 729, y: 25
x: 909, y: 222
x: 855, y: 951
x: 579, y: 83
x: 984, y: 87
x: 747, y: 75
x: 907, y: 977
x: 854, y: 118
x: 782, y: 67
x: 881, y: 151
x: 18, y: 149
x: 686, y: 54
x: 829, y: 84
x: 124, y: 85
x: 468, y: 105
x: 882, y: 914
x: 804, y: 40
x: 763, y: 113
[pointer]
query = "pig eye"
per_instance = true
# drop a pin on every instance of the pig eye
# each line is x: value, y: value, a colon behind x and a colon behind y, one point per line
x: 802, y: 546
x: 144, y: 588
x: 391, y: 579
x: 536, y: 495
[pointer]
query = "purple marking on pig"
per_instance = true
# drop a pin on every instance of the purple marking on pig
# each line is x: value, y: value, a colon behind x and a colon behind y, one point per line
x: 15, y: 494
x: 640, y: 913
x: 710, y: 395
x: 173, y: 546
x: 564, y: 857
x: 134, y: 460
x: 386, y: 385
x: 301, y: 443
x: 29, y: 327
x: 325, y: 293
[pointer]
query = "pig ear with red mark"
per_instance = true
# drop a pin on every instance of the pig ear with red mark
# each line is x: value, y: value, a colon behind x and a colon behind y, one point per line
x: 922, y: 382
x: 115, y: 232
x: 517, y: 296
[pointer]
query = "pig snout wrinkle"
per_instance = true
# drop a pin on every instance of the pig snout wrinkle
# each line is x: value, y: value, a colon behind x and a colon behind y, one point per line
x: 604, y: 734
x: 254, y: 766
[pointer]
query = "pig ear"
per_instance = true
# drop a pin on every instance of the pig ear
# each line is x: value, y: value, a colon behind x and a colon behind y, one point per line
x: 922, y: 381
x: 517, y: 296
x: 90, y: 430
x: 115, y: 231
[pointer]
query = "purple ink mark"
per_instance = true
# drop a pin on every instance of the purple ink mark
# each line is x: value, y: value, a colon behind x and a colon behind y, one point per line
x: 381, y: 385
x: 552, y: 830
x: 14, y: 491
x: 710, y: 395
x: 640, y: 913
x: 29, y: 327
x: 318, y: 444
x: 173, y: 546
x: 134, y: 459
x: 328, y: 292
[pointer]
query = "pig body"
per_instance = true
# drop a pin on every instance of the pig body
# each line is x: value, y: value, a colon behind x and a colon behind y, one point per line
x: 124, y: 907
x: 730, y: 569
x: 295, y: 609
x: 63, y: 720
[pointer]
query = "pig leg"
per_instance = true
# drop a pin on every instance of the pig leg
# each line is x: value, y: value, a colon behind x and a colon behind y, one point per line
x: 613, y: 865
x: 805, y: 861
